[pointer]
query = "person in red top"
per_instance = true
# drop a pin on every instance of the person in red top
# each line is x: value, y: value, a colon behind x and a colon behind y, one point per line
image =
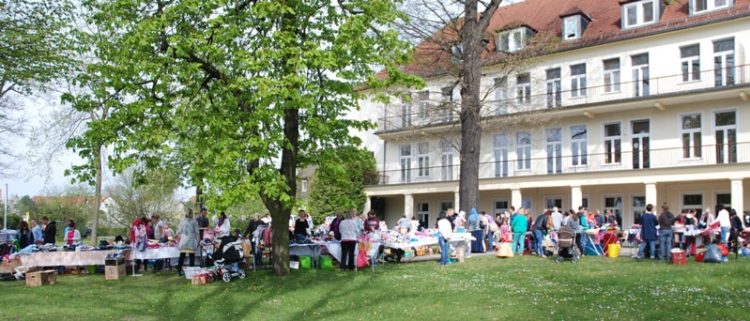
x: 372, y: 224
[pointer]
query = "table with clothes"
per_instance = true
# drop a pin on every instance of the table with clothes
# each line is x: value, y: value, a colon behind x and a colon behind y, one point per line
x: 402, y: 246
x: 163, y: 252
x: 66, y: 258
x: 334, y: 248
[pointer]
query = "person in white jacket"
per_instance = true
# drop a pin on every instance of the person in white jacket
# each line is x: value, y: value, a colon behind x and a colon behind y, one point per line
x: 349, y: 229
x: 444, y: 235
x: 724, y: 223
x: 222, y: 226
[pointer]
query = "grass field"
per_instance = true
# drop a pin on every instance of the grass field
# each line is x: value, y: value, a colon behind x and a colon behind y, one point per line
x: 483, y: 288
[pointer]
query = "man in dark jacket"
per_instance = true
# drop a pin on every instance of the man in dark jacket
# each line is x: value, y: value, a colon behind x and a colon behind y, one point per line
x: 648, y: 232
x: 50, y: 230
x: 666, y: 220
x: 540, y: 228
x: 202, y: 222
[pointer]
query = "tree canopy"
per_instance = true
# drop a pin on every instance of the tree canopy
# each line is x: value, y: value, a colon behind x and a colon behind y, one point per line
x: 238, y: 93
x: 338, y: 184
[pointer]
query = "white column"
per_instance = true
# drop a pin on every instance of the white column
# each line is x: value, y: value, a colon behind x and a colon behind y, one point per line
x: 368, y: 204
x: 576, y: 197
x: 408, y: 205
x: 516, y: 199
x: 738, y: 196
x: 651, y: 194
x: 456, y: 201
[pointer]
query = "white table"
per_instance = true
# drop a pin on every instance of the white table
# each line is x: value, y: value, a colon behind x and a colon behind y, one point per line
x: 65, y: 258
x: 167, y: 252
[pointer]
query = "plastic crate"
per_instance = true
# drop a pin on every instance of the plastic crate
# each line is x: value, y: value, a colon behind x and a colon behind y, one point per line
x: 190, y: 271
x: 305, y: 262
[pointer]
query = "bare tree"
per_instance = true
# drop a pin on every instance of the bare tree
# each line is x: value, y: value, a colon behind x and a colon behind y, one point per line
x: 453, y: 46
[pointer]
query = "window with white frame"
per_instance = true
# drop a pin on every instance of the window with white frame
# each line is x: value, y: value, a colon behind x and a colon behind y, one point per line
x: 641, y: 77
x: 514, y: 40
x: 445, y: 205
x: 501, y: 95
x: 691, y: 136
x: 423, y: 100
x: 423, y: 159
x: 612, y: 143
x: 447, y: 109
x: 406, y: 112
x: 640, y: 13
x: 725, y: 124
x: 701, y: 6
x: 446, y: 160
x: 724, y: 64
x: 611, y: 75
x: 405, y: 160
x: 554, y: 150
x: 692, y: 202
x: 500, y: 144
x: 528, y: 203
x: 614, y: 204
x: 552, y: 202
x: 523, y: 88
x: 578, y: 80
x: 554, y: 88
x: 572, y: 28
x: 579, y: 145
x: 638, y: 208
x: 501, y: 206
x: 691, y: 62
x: 523, y: 150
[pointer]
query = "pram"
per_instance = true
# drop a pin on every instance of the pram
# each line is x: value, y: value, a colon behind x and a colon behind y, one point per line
x: 566, y: 245
x: 227, y: 258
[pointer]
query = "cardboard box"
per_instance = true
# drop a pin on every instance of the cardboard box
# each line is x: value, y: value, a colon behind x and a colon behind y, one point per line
x: 114, y: 272
x: 9, y: 267
x: 34, y: 279
x: 203, y: 278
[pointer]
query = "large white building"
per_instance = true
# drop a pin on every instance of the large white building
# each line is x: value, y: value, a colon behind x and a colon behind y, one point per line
x: 641, y: 103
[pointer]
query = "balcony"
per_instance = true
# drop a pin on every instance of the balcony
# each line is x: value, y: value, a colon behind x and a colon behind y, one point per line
x: 436, y: 114
x: 591, y: 163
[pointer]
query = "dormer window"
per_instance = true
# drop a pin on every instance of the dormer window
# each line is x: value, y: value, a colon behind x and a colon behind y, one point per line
x: 701, y: 6
x: 574, y: 26
x: 515, y: 39
x: 640, y: 13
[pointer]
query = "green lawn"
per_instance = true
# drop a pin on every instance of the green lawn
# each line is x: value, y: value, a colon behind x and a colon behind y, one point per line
x: 483, y: 288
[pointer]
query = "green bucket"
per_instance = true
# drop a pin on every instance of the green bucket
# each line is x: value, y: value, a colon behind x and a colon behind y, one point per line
x: 305, y: 262
x: 91, y: 269
x: 326, y: 262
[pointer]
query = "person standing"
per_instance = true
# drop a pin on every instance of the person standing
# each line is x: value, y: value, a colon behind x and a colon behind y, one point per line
x: 372, y: 223
x: 202, y: 220
x: 648, y: 232
x: 445, y: 231
x: 404, y: 224
x: 73, y: 236
x: 519, y: 224
x: 557, y: 219
x: 540, y: 229
x: 725, y: 224
x: 666, y: 220
x: 335, y: 225
x: 349, y: 231
x: 25, y: 238
x: 50, y: 230
x: 223, y: 227
x: 36, y: 232
x: 300, y: 228
x: 187, y: 230
x: 490, y: 230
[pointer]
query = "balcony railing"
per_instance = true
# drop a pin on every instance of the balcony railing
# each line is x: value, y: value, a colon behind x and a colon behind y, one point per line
x: 431, y: 113
x: 591, y: 163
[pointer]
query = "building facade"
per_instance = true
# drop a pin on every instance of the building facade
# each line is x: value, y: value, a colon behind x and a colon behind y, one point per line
x: 640, y: 102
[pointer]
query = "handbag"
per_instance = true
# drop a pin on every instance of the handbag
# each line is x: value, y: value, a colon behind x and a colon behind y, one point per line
x: 504, y: 250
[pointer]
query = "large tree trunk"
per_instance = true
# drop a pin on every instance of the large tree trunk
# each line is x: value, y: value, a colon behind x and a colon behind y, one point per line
x: 281, y: 211
x: 97, y: 195
x: 471, y: 129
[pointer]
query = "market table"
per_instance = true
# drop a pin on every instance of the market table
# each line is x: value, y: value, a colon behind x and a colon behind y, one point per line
x: 165, y: 252
x: 306, y: 249
x: 457, y: 240
x: 334, y: 249
x: 65, y: 258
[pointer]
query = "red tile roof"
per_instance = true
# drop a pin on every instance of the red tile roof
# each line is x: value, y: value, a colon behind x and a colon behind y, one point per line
x: 544, y: 17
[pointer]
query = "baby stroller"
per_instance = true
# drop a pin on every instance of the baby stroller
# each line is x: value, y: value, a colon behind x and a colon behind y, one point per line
x: 227, y: 258
x: 566, y: 245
